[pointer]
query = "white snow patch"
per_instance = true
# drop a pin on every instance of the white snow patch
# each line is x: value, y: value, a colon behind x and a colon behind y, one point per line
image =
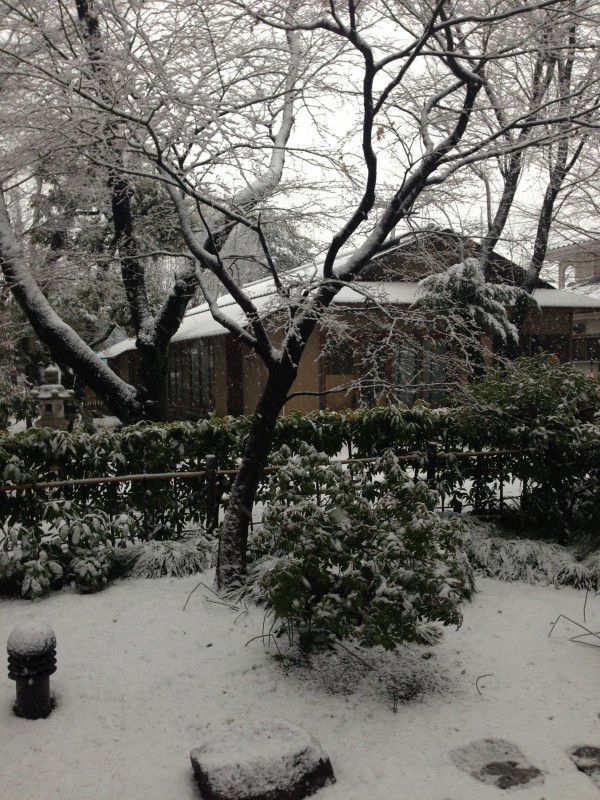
x: 106, y: 423
x: 137, y: 684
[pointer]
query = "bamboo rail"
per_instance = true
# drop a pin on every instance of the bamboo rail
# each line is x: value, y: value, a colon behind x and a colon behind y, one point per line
x: 156, y: 476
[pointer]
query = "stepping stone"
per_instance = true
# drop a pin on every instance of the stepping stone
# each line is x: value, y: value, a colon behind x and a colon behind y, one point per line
x: 497, y: 763
x: 271, y: 760
x: 587, y: 759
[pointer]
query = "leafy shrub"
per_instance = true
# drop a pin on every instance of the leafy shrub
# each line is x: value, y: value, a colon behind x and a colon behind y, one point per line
x: 553, y: 409
x: 356, y: 555
x: 87, y: 552
x: 39, y: 575
x: 16, y: 402
x: 65, y: 547
x: 90, y: 570
x: 175, y: 559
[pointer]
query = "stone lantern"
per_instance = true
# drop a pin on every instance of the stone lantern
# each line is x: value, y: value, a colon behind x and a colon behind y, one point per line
x: 51, y: 396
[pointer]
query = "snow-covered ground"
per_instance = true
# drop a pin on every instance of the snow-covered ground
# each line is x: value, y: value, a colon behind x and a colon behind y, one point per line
x: 140, y: 682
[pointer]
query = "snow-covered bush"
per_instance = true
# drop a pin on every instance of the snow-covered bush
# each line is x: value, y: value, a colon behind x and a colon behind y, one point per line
x: 16, y: 403
x: 90, y: 570
x: 356, y: 555
x: 553, y: 409
x: 65, y: 547
x: 464, y: 306
x: 529, y: 560
x: 169, y: 558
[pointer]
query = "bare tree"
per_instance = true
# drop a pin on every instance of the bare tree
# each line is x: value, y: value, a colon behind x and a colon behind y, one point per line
x: 565, y: 77
x: 84, y: 61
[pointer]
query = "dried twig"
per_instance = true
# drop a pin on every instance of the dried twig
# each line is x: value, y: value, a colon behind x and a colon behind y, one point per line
x: 212, y: 591
x: 577, y: 638
x: 480, y: 678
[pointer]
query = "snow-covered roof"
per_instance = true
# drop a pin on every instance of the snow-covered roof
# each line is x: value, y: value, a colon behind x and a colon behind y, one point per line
x: 565, y: 298
x: 199, y: 323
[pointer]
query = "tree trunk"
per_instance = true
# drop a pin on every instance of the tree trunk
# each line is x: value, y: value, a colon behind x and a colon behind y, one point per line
x: 231, y: 562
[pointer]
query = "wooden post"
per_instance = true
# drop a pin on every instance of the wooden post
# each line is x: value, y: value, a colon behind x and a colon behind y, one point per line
x: 212, y: 495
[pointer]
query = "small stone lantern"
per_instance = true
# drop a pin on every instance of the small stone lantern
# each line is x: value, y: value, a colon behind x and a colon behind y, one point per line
x: 31, y: 650
x: 52, y: 395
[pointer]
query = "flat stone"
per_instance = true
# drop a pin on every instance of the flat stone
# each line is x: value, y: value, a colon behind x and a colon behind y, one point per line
x: 272, y: 760
x: 587, y: 759
x: 496, y: 762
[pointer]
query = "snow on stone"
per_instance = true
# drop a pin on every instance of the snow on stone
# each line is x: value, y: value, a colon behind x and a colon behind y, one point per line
x: 258, y: 759
x: 31, y: 638
x: 497, y: 763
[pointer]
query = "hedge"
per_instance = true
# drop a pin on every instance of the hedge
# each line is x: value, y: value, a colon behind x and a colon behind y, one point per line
x: 536, y: 404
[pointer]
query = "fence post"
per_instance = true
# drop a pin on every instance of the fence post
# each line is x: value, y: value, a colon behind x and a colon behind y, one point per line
x: 431, y: 464
x: 212, y: 496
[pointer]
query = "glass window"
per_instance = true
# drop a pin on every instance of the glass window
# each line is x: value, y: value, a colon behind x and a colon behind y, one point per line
x: 206, y: 374
x: 339, y: 359
x: 405, y: 373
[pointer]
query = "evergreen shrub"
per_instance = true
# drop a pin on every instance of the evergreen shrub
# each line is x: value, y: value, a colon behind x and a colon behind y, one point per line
x: 356, y: 554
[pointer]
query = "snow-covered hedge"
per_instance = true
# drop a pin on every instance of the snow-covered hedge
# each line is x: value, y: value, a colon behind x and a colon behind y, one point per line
x: 534, y: 403
x: 356, y: 554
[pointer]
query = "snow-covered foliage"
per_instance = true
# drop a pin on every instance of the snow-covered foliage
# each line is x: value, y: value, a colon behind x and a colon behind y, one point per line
x: 553, y: 409
x: 530, y: 560
x: 16, y: 403
x: 156, y: 559
x: 91, y: 572
x: 544, y: 410
x: 356, y: 555
x: 87, y: 551
x: 513, y: 559
x: 65, y: 547
x: 466, y: 306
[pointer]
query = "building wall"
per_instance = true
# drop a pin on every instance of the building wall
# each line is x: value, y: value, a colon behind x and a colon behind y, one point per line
x: 239, y: 375
x: 220, y: 376
x: 308, y: 379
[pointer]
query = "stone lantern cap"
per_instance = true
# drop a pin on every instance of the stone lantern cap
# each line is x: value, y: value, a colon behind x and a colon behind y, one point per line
x: 31, y: 651
x: 52, y: 388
